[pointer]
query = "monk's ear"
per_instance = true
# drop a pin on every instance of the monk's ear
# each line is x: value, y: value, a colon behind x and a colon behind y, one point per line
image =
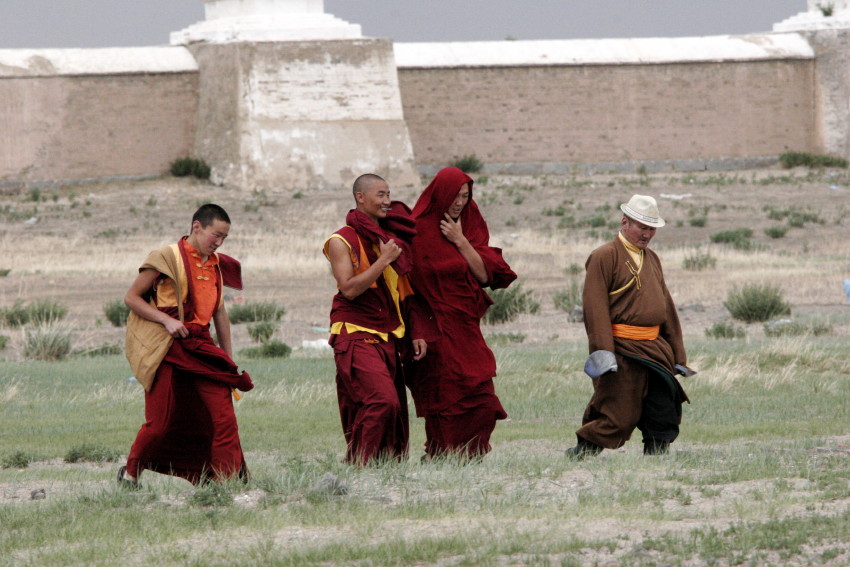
x: 196, y: 226
x: 358, y: 196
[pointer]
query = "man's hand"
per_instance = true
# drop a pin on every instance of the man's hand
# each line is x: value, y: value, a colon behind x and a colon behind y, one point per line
x: 452, y: 230
x: 420, y: 347
x: 175, y: 328
x: 390, y: 250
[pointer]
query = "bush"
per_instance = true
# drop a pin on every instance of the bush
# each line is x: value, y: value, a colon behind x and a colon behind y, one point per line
x: 5, y: 272
x: 106, y: 349
x: 725, y: 330
x: 262, y: 332
x: 270, y: 349
x: 16, y: 460
x: 794, y: 159
x: 756, y: 303
x: 38, y: 312
x: 90, y: 453
x: 4, y: 341
x: 508, y: 304
x: 250, y: 312
x: 116, y: 312
x: 738, y: 238
x: 569, y: 297
x: 211, y: 495
x: 468, y: 164
x: 698, y: 221
x: 186, y: 166
x: 699, y: 261
x: 47, y: 342
x: 786, y: 328
x: 776, y: 231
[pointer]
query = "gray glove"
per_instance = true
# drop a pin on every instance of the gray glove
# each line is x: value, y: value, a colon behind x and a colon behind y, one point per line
x: 599, y: 362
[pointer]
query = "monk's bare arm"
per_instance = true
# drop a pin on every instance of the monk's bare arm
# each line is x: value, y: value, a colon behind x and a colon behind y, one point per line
x: 352, y: 285
x: 135, y: 300
x: 222, y: 330
x: 453, y: 232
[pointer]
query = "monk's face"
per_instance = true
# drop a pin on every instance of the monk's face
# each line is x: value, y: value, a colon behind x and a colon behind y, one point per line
x: 460, y: 202
x: 637, y: 233
x: 375, y: 200
x: 207, y: 239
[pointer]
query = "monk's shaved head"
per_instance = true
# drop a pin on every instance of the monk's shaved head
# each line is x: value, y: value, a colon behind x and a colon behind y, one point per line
x: 365, y: 182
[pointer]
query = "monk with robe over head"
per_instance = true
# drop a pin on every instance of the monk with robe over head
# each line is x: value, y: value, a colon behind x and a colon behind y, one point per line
x: 190, y: 426
x: 453, y: 387
x: 635, y: 341
x: 373, y: 317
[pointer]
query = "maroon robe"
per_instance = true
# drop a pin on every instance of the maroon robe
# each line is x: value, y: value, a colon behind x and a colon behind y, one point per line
x: 190, y: 428
x: 453, y: 385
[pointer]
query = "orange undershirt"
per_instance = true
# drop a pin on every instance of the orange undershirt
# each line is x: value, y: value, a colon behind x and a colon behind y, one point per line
x: 203, y: 276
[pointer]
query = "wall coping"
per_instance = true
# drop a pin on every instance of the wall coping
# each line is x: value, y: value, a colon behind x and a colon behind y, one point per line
x: 603, y: 51
x: 108, y: 61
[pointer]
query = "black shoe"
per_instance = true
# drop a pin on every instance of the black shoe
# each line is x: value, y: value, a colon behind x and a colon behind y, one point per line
x: 656, y: 447
x: 583, y: 449
x: 124, y: 482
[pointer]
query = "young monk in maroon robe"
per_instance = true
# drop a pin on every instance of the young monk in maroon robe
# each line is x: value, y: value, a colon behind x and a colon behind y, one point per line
x: 453, y: 388
x: 190, y: 427
x: 635, y: 341
x: 371, y: 316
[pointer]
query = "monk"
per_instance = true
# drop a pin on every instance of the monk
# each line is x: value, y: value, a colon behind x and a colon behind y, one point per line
x: 453, y: 388
x: 373, y: 315
x: 635, y: 341
x: 190, y: 428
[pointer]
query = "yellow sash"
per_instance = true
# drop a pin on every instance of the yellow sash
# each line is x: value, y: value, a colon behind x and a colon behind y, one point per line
x: 635, y: 333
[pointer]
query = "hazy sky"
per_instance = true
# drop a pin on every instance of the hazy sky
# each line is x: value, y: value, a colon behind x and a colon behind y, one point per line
x: 118, y: 23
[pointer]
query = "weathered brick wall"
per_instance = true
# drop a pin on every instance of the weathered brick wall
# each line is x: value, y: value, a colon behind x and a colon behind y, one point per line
x: 71, y: 126
x: 610, y: 113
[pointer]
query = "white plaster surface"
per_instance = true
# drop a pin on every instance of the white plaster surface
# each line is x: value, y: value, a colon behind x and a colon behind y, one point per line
x: 815, y: 19
x: 229, y: 21
x: 602, y: 51
x: 130, y: 60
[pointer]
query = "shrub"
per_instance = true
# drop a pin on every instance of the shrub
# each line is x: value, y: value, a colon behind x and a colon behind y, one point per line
x: 186, y: 166
x: 794, y: 159
x: 799, y: 218
x: 756, y: 303
x: 738, y: 238
x: 270, y: 349
x: 776, y: 231
x: 5, y: 272
x: 116, y: 312
x: 698, y: 221
x: 47, y: 342
x: 699, y: 261
x: 16, y: 460
x: 250, y: 312
x: 106, y: 349
x: 211, y: 495
x: 509, y: 303
x: 785, y: 328
x: 567, y: 298
x: 262, y: 331
x: 4, y: 341
x: 468, y: 163
x: 724, y: 330
x: 91, y: 453
x: 573, y: 269
x: 38, y: 312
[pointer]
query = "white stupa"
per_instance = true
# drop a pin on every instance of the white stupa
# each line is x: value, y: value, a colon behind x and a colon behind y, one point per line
x: 229, y: 21
x: 822, y: 14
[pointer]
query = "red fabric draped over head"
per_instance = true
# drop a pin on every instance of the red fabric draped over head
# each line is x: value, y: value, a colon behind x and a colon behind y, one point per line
x: 438, y: 261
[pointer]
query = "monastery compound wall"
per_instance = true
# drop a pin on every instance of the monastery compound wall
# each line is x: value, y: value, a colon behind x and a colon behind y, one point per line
x: 268, y: 111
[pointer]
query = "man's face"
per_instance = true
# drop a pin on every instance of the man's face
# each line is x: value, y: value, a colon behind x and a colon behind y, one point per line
x: 460, y: 201
x: 375, y: 200
x: 210, y: 237
x: 637, y: 233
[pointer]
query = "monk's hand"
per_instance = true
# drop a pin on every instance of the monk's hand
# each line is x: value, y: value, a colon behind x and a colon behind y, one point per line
x: 390, y: 250
x: 420, y: 347
x: 175, y: 328
x: 452, y: 230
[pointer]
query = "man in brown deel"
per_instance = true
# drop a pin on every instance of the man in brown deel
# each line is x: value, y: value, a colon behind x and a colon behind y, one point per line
x: 635, y: 341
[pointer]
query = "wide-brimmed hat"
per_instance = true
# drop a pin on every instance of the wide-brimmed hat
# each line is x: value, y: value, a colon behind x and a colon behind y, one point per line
x: 643, y: 209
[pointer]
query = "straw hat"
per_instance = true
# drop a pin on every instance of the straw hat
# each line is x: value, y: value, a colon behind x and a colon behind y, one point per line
x: 643, y: 209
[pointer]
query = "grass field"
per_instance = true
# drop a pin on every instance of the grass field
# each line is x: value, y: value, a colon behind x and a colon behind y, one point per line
x: 759, y: 476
